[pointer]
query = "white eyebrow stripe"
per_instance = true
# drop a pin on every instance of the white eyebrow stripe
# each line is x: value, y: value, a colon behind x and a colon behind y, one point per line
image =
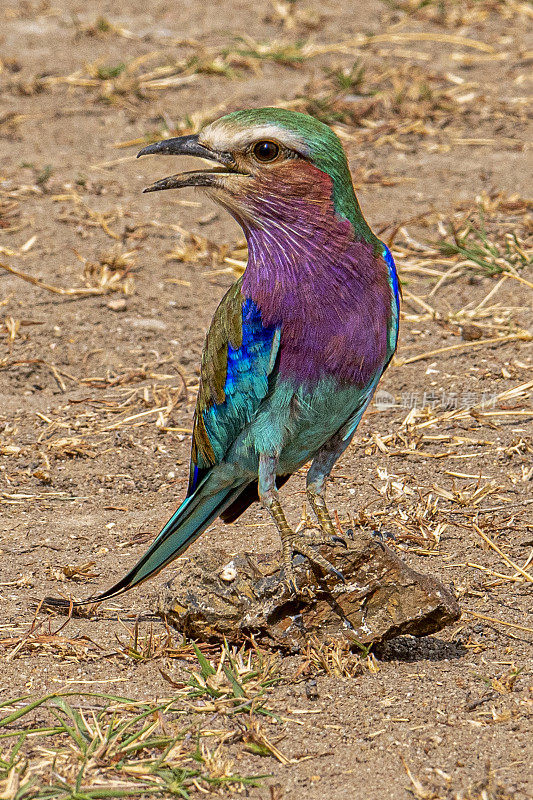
x: 223, y: 137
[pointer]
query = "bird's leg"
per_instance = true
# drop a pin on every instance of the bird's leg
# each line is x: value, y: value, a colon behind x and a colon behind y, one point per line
x: 291, y: 542
x: 315, y: 495
x: 316, y: 484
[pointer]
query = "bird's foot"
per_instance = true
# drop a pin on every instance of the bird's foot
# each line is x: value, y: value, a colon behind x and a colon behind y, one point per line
x: 299, y: 542
x: 305, y: 543
x: 330, y: 533
x: 321, y: 536
x: 383, y: 536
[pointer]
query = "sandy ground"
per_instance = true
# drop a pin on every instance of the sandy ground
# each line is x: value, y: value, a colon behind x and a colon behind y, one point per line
x: 97, y: 390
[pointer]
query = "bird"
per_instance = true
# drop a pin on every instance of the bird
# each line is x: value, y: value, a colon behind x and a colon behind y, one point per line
x: 297, y: 344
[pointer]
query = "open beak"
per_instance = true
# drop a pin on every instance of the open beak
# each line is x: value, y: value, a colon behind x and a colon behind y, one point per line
x: 189, y: 146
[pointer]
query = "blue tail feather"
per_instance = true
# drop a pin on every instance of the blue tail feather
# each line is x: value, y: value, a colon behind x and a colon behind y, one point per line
x: 187, y: 523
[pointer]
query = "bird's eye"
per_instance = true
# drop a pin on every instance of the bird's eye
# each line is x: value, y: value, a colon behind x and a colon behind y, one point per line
x: 266, y: 151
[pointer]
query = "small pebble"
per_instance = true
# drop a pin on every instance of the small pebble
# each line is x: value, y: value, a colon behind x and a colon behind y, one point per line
x: 117, y: 305
x: 228, y: 572
x: 471, y: 332
x: 311, y: 690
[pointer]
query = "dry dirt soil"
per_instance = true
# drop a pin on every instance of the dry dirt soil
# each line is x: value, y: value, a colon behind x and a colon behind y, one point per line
x: 99, y: 368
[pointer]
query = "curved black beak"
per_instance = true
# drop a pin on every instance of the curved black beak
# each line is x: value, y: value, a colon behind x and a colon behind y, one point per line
x: 185, y: 146
x: 188, y: 146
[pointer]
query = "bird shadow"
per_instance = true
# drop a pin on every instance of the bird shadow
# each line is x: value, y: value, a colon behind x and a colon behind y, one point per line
x: 426, y: 648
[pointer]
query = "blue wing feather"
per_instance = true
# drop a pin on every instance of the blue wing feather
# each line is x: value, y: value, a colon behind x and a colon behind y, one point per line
x: 247, y: 379
x: 248, y: 370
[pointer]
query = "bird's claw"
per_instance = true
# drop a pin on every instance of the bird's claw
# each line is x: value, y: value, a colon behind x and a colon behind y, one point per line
x: 383, y: 536
x: 292, y: 586
x: 340, y: 540
x: 337, y: 573
x: 301, y: 545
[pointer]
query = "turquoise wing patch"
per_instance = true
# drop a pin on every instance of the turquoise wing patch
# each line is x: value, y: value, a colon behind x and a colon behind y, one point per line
x: 249, y: 366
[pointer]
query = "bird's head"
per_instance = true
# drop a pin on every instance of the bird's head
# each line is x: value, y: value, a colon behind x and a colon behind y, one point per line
x: 266, y: 159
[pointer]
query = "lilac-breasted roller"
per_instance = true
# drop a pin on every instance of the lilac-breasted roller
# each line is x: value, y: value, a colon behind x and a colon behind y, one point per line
x: 297, y: 345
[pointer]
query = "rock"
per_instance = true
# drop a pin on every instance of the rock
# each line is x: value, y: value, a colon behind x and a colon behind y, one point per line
x: 470, y: 333
x: 118, y: 304
x: 148, y: 324
x: 215, y: 596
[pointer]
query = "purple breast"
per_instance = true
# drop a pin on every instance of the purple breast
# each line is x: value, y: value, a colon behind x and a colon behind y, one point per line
x: 329, y: 292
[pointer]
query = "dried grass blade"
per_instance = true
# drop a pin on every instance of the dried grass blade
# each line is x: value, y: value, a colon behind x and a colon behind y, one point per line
x: 513, y: 337
x: 82, y: 291
x: 507, y: 560
x: 498, y: 621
